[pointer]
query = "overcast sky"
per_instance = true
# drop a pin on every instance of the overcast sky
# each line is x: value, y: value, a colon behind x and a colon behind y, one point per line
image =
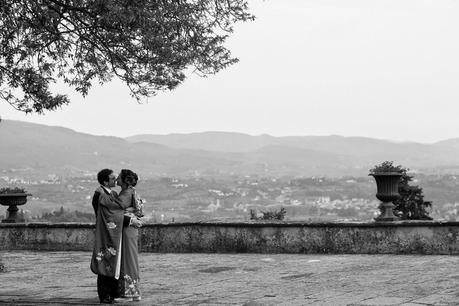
x: 384, y: 69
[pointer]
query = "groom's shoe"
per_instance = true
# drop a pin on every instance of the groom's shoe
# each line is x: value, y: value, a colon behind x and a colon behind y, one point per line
x: 107, y: 301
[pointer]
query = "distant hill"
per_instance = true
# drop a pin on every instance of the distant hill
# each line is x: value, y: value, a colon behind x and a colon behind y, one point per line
x: 351, y: 152
x: 47, y: 149
x: 453, y: 143
x: 236, y: 142
x: 41, y: 150
x: 211, y: 141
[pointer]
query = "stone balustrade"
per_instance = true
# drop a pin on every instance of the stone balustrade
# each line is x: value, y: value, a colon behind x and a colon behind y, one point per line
x: 399, y: 237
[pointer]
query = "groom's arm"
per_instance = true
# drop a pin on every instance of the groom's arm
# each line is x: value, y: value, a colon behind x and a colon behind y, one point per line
x: 127, y: 220
x: 112, y: 201
x: 109, y: 201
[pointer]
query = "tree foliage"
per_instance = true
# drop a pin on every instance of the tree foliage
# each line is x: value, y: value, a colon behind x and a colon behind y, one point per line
x: 411, y: 204
x: 148, y: 44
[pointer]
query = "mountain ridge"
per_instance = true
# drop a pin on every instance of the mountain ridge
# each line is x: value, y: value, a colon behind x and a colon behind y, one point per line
x: 53, y: 149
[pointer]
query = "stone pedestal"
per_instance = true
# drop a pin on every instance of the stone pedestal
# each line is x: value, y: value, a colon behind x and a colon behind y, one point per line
x: 13, y: 216
x: 387, y: 213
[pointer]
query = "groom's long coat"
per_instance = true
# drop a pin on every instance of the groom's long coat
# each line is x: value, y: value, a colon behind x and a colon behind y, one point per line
x: 106, y: 257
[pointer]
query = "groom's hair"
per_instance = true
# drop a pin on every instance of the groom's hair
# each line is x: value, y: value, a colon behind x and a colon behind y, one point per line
x: 104, y: 175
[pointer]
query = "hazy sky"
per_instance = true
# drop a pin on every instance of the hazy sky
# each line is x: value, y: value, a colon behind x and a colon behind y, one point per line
x: 384, y: 69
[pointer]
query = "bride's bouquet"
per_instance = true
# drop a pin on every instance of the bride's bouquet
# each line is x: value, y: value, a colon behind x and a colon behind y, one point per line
x: 138, y: 204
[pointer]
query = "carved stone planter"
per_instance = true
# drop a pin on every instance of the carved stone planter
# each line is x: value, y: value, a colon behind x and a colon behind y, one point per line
x: 13, y: 200
x: 387, y: 192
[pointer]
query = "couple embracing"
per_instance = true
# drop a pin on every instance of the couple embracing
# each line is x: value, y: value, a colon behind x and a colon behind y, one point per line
x: 115, y: 255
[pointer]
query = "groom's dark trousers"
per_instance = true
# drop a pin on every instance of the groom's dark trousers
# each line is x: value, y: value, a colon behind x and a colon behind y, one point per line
x: 107, y: 288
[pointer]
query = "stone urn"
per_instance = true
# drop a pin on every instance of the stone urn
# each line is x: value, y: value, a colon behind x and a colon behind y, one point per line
x: 13, y: 200
x: 387, y: 192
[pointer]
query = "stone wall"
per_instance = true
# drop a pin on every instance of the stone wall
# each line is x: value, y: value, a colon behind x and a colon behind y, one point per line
x: 402, y: 237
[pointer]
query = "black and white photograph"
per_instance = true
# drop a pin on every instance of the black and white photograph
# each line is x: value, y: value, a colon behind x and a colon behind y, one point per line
x: 229, y: 152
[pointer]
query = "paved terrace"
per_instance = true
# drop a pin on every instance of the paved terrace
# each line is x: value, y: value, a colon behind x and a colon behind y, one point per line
x: 64, y: 278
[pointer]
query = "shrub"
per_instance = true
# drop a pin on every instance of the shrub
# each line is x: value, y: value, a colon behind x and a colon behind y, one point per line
x: 387, y: 166
x: 269, y: 215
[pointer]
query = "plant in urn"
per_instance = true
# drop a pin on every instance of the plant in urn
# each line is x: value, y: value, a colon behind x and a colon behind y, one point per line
x: 12, y: 197
x: 387, y: 177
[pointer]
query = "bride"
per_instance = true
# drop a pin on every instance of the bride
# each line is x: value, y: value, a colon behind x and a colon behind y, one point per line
x: 132, y: 204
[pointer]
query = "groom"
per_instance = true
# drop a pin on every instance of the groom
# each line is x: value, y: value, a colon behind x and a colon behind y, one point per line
x: 106, y: 258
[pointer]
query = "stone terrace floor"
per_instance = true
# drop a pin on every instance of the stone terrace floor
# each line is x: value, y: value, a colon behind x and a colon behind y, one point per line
x: 64, y: 278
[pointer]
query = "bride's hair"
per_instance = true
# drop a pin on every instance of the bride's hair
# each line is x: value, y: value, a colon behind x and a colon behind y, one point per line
x: 129, y: 177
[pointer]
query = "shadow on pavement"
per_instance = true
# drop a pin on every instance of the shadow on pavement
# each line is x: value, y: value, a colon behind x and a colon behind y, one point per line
x: 49, y: 301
